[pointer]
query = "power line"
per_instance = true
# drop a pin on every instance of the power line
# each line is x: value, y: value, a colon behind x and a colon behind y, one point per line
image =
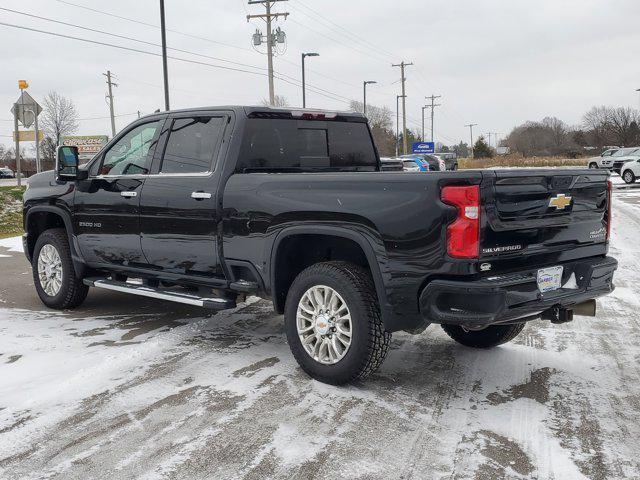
x: 133, y: 39
x: 319, y: 91
x: 229, y: 45
x: 342, y: 44
x: 349, y: 32
x: 323, y: 22
x: 124, y: 37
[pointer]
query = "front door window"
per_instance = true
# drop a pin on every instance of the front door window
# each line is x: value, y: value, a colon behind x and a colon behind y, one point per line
x: 131, y: 155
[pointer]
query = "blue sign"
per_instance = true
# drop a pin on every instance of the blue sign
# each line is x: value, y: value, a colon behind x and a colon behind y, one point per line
x: 423, y: 147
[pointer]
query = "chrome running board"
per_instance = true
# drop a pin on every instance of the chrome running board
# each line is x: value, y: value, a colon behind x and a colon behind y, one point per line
x: 213, y: 303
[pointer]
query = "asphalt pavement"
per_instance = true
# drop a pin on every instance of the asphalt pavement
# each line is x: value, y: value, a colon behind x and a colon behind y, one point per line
x: 127, y: 387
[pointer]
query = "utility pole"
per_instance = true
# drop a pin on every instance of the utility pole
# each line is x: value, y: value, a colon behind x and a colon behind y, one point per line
x: 110, y: 97
x: 398, y: 97
x: 471, y: 125
x: 488, y: 134
x: 15, y: 129
x: 304, y: 93
x: 495, y: 138
x: 423, y: 109
x: 433, y: 106
x: 165, y: 72
x: 270, y: 40
x: 402, y: 65
x: 364, y: 97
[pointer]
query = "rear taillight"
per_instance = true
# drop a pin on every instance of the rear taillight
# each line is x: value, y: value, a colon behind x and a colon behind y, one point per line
x: 463, y: 235
x: 609, y: 201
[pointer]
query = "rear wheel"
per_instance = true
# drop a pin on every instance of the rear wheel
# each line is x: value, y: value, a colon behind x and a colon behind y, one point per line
x: 333, y: 323
x: 628, y: 176
x: 488, y: 337
x: 55, y: 279
x: 593, y: 165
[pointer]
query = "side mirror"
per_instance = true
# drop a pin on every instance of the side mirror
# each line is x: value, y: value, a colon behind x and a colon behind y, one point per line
x: 67, y: 163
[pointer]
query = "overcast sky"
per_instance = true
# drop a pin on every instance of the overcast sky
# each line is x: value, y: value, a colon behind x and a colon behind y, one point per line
x: 495, y: 63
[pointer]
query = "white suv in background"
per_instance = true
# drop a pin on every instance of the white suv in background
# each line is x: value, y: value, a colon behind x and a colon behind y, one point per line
x: 630, y: 171
x: 621, y: 159
x: 604, y: 160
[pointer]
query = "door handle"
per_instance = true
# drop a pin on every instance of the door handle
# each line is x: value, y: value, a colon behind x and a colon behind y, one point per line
x: 200, y: 195
x: 128, y: 194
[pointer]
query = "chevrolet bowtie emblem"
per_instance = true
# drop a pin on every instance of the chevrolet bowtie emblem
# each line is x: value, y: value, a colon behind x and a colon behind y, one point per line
x: 560, y: 201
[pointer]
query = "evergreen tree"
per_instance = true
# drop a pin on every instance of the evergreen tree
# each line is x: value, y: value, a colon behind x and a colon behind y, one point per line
x: 482, y: 149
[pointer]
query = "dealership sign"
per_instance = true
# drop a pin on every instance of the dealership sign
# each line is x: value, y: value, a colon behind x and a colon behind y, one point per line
x: 88, y: 145
x: 423, y: 147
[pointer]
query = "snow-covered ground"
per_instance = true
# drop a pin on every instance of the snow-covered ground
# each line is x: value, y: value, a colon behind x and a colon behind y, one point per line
x: 151, y: 395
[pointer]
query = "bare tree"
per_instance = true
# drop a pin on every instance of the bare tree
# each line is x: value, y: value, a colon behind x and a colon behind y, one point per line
x: 378, y: 116
x: 380, y: 121
x: 59, y: 116
x: 278, y: 101
x: 620, y: 124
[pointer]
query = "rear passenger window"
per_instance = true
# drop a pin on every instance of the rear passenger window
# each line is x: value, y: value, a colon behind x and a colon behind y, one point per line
x: 192, y: 144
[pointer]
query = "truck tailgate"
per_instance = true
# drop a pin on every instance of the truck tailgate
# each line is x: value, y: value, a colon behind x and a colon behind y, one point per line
x: 534, y: 212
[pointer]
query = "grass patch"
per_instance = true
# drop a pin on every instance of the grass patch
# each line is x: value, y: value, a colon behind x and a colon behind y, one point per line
x: 11, y: 211
x: 516, y: 161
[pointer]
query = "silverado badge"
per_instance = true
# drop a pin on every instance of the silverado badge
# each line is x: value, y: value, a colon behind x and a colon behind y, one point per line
x: 560, y: 201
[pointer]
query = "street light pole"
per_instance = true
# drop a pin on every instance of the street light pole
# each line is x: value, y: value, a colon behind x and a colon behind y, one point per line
x: 304, y: 93
x: 423, y: 109
x: 364, y: 99
x: 164, y: 56
x: 638, y: 90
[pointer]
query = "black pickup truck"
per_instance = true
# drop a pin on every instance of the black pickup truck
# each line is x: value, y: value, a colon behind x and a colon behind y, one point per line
x: 206, y: 206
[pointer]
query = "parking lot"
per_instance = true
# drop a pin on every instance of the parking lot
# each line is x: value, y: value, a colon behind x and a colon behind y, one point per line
x: 126, y: 387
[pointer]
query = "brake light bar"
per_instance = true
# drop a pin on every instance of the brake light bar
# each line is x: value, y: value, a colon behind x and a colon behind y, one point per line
x: 463, y: 235
x: 309, y: 115
x: 609, y: 201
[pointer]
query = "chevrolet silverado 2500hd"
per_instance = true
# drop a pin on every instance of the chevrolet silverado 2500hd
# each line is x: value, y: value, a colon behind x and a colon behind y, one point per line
x: 204, y: 206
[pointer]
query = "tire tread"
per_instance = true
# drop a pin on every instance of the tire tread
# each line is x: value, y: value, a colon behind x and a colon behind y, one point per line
x: 378, y: 339
x: 76, y: 291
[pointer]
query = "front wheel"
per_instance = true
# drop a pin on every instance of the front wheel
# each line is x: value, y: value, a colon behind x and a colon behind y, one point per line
x: 333, y: 323
x: 488, y: 337
x: 53, y: 274
x: 628, y: 176
x: 593, y: 165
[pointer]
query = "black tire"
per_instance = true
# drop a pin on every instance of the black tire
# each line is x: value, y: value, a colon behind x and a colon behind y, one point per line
x: 369, y: 340
x: 628, y: 176
x: 455, y: 167
x: 593, y: 165
x: 489, y: 337
x: 72, y: 291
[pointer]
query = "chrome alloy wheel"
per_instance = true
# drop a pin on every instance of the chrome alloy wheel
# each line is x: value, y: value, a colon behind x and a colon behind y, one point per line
x: 324, y: 324
x: 50, y: 270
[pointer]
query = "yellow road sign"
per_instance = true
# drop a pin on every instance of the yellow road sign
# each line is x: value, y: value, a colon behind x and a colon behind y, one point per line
x: 28, y: 135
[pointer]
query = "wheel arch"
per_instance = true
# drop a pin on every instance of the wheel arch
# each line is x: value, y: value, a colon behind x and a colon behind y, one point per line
x: 336, y: 241
x: 45, y: 217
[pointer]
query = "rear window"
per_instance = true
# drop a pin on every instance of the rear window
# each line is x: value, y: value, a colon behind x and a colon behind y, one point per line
x: 306, y: 145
